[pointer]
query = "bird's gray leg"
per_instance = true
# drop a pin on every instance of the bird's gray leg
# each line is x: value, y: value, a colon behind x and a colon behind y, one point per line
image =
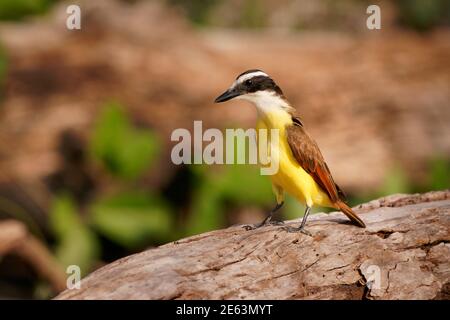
x: 301, y: 228
x: 268, y: 219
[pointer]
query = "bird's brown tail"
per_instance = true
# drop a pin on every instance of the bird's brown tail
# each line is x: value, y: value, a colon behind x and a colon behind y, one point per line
x: 350, y: 214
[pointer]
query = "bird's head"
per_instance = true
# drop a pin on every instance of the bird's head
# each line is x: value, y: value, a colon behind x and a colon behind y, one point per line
x: 257, y: 87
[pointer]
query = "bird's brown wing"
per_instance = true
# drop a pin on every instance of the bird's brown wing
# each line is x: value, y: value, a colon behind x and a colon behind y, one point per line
x: 308, y: 155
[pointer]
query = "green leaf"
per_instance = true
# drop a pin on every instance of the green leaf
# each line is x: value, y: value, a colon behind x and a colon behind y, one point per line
x: 396, y: 181
x: 76, y: 243
x: 124, y: 150
x: 132, y: 219
x: 243, y: 184
x: 439, y: 173
x: 79, y: 247
x: 138, y: 149
x: 236, y: 184
x: 207, y: 211
x: 63, y: 216
x: 112, y: 124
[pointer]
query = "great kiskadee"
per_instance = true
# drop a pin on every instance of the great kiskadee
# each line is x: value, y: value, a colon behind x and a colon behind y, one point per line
x: 302, y: 171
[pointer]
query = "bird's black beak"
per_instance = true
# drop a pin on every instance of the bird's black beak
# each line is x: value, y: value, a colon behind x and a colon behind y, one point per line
x: 227, y: 95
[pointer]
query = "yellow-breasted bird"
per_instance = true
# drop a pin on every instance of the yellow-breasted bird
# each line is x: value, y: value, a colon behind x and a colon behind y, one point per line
x: 302, y: 170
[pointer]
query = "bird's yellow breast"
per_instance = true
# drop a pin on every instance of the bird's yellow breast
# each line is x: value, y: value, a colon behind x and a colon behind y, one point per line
x: 290, y: 176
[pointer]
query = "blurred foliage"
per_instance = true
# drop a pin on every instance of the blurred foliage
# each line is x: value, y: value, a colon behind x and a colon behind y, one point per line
x: 243, y: 185
x: 253, y: 14
x: 439, y: 173
x: 422, y: 15
x: 124, y: 150
x: 17, y: 9
x: 3, y: 68
x: 417, y: 14
x: 398, y: 181
x: 219, y: 186
x: 76, y: 243
x: 130, y: 216
x: 292, y: 209
x: 132, y: 219
x: 438, y: 178
x: 199, y: 12
x: 207, y: 211
x: 196, y: 10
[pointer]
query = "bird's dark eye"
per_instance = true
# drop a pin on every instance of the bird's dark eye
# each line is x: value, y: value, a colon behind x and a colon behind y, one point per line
x: 248, y: 82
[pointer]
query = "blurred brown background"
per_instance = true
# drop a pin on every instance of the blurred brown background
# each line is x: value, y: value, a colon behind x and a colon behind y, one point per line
x: 86, y: 116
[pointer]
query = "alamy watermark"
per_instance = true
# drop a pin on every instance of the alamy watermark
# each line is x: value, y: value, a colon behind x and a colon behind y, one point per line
x: 74, y: 277
x: 73, y: 21
x: 373, y: 22
x: 373, y: 277
x: 263, y: 147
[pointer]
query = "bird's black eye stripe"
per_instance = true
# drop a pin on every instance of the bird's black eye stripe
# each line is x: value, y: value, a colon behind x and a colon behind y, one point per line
x: 248, y: 82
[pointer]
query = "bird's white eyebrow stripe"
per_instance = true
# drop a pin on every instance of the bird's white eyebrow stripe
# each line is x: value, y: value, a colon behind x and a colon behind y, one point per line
x: 251, y: 75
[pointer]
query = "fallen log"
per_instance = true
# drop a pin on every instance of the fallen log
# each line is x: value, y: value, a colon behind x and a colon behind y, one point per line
x: 404, y: 253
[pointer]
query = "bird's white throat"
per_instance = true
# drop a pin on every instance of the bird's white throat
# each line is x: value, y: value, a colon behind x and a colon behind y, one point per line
x: 266, y: 101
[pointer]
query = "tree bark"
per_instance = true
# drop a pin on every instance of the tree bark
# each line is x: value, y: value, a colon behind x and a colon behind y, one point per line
x: 404, y: 253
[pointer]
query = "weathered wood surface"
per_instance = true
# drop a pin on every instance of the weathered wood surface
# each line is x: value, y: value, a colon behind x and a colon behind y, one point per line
x: 406, y: 239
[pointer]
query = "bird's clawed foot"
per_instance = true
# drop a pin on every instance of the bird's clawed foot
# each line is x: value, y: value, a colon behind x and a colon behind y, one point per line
x: 298, y: 229
x: 267, y: 221
x: 263, y: 224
